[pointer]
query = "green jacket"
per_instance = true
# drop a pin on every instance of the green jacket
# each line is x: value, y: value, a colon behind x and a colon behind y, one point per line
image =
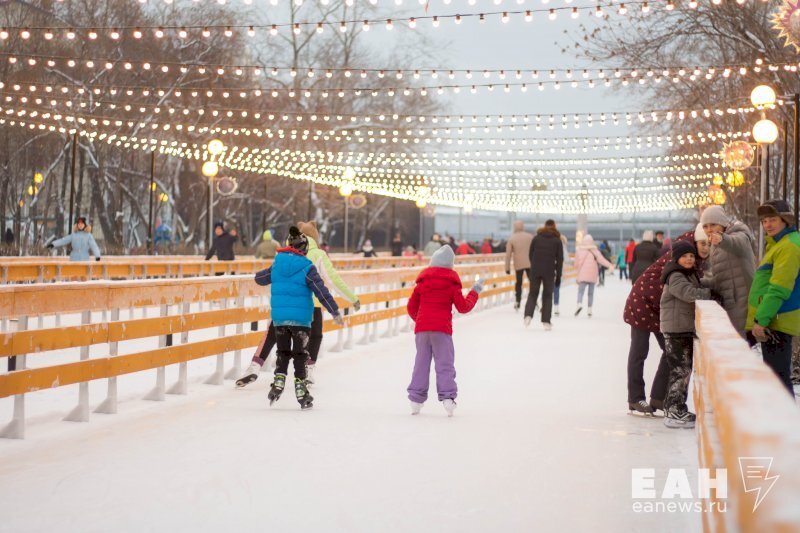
x: 328, y: 274
x: 774, y: 299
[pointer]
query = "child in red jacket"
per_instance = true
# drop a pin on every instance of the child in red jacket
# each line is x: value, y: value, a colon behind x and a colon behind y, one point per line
x: 438, y: 288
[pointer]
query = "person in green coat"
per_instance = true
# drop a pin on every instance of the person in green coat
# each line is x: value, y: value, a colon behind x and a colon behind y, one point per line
x: 773, y: 314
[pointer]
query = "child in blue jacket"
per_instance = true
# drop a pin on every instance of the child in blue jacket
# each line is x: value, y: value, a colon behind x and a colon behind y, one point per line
x: 294, y: 278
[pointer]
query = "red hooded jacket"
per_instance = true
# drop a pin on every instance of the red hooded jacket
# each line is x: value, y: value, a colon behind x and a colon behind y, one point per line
x: 464, y: 249
x: 431, y: 303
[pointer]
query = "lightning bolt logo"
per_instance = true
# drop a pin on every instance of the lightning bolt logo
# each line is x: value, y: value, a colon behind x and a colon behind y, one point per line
x: 756, y: 478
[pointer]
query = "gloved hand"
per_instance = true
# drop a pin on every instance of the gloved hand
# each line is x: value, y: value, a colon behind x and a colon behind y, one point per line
x: 717, y: 297
x: 508, y: 272
x: 50, y: 246
x: 338, y: 319
x: 97, y: 259
x: 357, y: 305
x: 478, y: 287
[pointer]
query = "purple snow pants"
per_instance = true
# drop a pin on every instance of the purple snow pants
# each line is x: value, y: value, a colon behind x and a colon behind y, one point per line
x: 439, y: 347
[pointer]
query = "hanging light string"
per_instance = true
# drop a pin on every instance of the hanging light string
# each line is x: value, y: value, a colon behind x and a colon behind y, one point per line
x: 158, y: 32
x: 464, y: 123
x: 565, y: 75
x: 497, y: 200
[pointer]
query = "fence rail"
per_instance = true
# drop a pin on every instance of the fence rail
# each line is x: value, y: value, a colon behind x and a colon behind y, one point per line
x: 744, y: 412
x: 52, y: 268
x: 183, y: 307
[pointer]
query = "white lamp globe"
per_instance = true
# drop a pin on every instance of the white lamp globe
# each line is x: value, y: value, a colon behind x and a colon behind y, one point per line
x: 765, y: 131
x: 210, y: 169
x: 763, y: 96
x: 346, y: 189
x: 349, y: 173
x: 215, y: 147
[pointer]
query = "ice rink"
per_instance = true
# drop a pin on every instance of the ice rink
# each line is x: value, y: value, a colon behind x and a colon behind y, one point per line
x: 541, y: 441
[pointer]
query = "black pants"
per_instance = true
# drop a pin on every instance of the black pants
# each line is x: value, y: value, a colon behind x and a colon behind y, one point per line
x: 315, y: 337
x: 292, y: 345
x: 778, y: 356
x: 602, y: 275
x: 518, y: 284
x: 640, y: 347
x: 547, y: 282
x: 679, y: 349
x: 314, y: 340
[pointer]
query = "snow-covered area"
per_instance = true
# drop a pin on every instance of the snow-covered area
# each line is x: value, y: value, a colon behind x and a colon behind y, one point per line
x: 541, y: 441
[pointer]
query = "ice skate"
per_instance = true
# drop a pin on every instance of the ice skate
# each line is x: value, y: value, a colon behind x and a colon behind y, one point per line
x: 249, y: 376
x: 416, y: 407
x: 547, y: 326
x: 555, y: 310
x: 278, y: 384
x: 578, y: 310
x: 527, y: 321
x: 589, y: 312
x: 449, y: 406
x: 310, y: 374
x: 657, y: 405
x: 640, y: 408
x: 516, y: 306
x: 301, y: 392
x: 677, y: 419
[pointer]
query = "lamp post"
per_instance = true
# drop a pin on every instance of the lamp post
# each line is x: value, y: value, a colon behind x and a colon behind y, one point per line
x: 346, y: 190
x: 210, y: 169
x: 421, y: 206
x: 765, y: 132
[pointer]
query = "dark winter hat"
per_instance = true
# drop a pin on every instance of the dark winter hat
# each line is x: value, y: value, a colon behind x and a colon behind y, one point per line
x: 777, y: 208
x: 297, y: 240
x: 680, y: 248
x: 79, y: 220
x: 219, y: 224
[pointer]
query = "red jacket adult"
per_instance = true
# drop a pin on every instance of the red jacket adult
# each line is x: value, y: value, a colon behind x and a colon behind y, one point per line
x: 629, y: 252
x: 643, y: 306
x: 464, y: 249
x: 431, y: 304
x: 486, y: 247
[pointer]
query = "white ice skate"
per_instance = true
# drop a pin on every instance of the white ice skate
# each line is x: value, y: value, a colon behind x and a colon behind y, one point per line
x: 249, y: 376
x: 310, y: 375
x: 527, y: 321
x: 590, y: 312
x: 555, y: 310
x: 547, y: 326
x: 449, y: 406
x: 416, y: 408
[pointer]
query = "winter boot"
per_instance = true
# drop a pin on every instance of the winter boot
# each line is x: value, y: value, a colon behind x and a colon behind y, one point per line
x: 310, y: 373
x: 249, y: 376
x: 278, y: 384
x: 547, y: 326
x: 641, y: 407
x: 578, y: 310
x: 416, y: 407
x: 679, y: 419
x: 527, y: 321
x: 555, y: 310
x: 301, y: 392
x: 449, y: 406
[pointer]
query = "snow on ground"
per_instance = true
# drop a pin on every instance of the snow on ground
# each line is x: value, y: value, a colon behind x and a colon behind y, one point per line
x: 540, y: 441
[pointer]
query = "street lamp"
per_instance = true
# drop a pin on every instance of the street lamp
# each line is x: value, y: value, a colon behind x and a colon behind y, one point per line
x: 210, y: 169
x: 765, y: 132
x: 763, y: 96
x: 346, y: 190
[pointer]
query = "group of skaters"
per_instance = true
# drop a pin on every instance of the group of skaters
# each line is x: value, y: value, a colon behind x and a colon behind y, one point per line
x: 715, y: 261
x: 302, y: 277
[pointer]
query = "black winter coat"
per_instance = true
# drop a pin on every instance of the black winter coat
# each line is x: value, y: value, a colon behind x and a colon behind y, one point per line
x: 547, y: 254
x: 223, y: 247
x: 645, y: 254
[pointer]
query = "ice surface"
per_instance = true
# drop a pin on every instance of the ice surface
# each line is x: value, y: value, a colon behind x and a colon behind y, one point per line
x: 540, y: 442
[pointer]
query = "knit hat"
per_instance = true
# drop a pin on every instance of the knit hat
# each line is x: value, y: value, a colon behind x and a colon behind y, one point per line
x: 777, y: 208
x: 647, y: 235
x: 714, y: 214
x: 680, y: 248
x: 310, y: 229
x: 219, y: 224
x: 700, y: 233
x: 267, y: 236
x: 297, y: 240
x: 443, y: 257
x: 81, y: 219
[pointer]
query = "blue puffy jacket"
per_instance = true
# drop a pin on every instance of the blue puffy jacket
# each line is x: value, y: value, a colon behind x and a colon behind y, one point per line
x: 294, y: 278
x: 81, y: 242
